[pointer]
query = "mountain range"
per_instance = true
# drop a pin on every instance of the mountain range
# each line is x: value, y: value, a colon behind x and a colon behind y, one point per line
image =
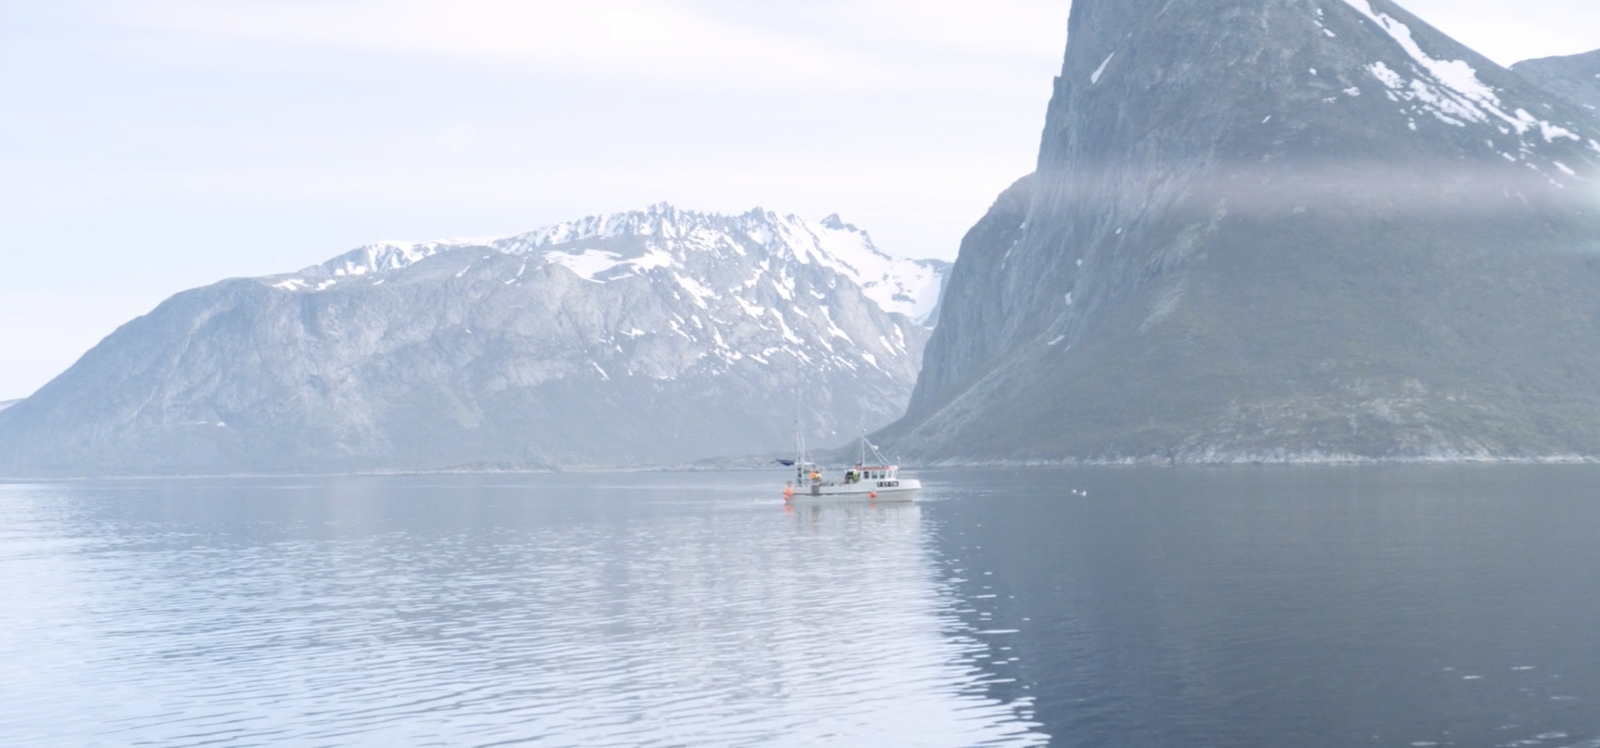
x: 1275, y: 231
x: 1257, y: 231
x: 650, y: 337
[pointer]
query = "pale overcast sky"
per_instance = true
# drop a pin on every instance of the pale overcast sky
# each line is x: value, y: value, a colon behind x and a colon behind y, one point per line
x: 158, y: 145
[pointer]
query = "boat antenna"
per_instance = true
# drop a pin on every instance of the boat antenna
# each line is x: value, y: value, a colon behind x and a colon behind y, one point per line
x: 866, y: 445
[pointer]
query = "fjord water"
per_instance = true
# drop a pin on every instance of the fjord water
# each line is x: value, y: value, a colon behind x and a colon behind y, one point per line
x: 1109, y: 607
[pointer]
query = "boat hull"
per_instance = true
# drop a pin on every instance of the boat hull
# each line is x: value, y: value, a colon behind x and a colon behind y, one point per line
x: 904, y: 489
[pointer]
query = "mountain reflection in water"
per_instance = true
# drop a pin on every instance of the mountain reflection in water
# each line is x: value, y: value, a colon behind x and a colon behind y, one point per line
x: 558, y: 610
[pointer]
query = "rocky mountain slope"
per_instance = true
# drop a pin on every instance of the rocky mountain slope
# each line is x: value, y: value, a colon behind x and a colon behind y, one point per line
x: 640, y: 338
x: 1574, y: 79
x: 1277, y: 230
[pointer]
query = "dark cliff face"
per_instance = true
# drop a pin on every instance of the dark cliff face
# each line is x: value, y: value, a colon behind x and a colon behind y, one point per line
x: 1575, y: 79
x: 979, y: 293
x: 1278, y: 229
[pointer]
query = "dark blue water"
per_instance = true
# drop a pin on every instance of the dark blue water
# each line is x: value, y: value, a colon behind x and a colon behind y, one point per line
x: 1238, y: 607
x: 1298, y: 607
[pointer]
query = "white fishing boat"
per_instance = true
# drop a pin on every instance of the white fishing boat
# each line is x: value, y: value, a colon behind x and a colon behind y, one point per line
x: 877, y: 481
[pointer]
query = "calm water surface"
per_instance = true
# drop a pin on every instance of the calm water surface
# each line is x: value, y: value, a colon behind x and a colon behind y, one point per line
x: 1239, y: 607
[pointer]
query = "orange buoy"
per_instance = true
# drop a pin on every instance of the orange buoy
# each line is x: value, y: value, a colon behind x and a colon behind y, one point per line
x: 788, y: 493
x: 872, y: 494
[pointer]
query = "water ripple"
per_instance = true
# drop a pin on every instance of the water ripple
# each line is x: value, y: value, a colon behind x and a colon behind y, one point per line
x: 318, y: 614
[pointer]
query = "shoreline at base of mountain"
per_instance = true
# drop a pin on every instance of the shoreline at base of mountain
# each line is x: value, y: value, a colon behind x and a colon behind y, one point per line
x: 768, y: 463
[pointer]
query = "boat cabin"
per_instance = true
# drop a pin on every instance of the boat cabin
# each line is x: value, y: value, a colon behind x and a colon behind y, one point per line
x: 884, y: 476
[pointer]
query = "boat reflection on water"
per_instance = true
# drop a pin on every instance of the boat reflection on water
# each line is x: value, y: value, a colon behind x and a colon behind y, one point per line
x: 816, y: 512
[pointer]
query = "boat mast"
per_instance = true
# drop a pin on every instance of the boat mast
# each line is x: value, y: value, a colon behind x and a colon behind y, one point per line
x: 799, y: 441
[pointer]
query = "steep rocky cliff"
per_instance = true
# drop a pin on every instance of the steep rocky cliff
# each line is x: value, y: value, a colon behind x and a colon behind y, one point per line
x: 639, y: 338
x: 1277, y: 230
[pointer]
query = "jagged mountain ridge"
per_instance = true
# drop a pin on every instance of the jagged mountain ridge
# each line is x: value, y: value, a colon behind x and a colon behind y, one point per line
x: 898, y: 284
x: 1573, y: 78
x: 646, y: 338
x: 1276, y: 230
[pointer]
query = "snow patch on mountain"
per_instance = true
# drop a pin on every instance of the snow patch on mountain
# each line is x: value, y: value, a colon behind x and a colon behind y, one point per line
x: 586, y: 264
x: 665, y: 237
x: 1450, y: 90
x: 1456, y: 74
x: 1094, y: 78
x: 897, y: 284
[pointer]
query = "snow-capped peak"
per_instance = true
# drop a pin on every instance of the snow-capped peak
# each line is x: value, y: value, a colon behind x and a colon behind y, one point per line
x: 388, y: 255
x: 606, y: 247
x: 897, y: 284
x: 660, y: 220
